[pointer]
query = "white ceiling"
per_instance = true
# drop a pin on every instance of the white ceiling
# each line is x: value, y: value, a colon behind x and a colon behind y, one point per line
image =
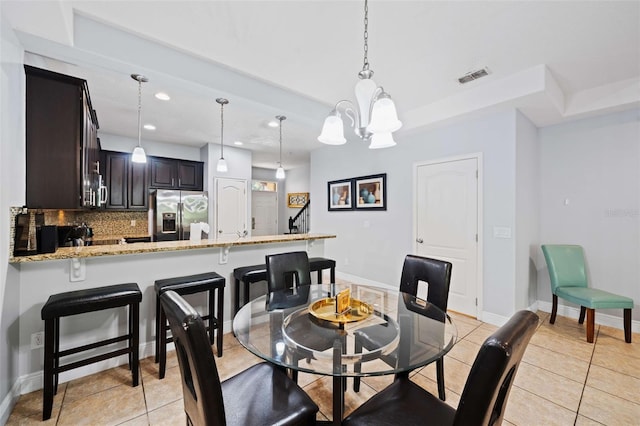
x: 555, y: 61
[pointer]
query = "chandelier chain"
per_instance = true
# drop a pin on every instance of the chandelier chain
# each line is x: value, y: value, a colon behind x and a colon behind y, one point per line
x: 365, y: 65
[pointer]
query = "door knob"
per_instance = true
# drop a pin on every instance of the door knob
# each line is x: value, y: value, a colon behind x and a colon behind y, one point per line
x: 419, y: 240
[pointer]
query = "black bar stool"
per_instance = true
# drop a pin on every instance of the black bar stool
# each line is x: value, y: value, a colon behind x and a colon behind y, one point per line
x: 80, y: 302
x: 207, y: 282
x: 255, y: 273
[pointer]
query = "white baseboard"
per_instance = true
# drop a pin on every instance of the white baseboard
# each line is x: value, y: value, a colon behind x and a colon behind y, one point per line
x: 494, y: 319
x: 9, y: 402
x: 360, y: 280
x: 602, y: 319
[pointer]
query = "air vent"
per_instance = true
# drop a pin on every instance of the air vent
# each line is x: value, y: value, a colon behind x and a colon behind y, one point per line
x: 473, y: 75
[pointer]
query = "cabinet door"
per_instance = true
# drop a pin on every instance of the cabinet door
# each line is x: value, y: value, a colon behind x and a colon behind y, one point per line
x: 53, y: 142
x: 116, y: 164
x: 190, y: 175
x: 138, y: 186
x: 163, y: 173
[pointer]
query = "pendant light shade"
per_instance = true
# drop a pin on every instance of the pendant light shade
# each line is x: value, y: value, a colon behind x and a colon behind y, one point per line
x: 280, y: 170
x: 221, y: 167
x: 333, y: 130
x: 138, y: 155
x: 373, y: 114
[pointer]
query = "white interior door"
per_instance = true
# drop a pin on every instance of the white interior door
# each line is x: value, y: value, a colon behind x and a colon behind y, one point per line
x: 447, y: 225
x: 231, y: 207
x: 264, y: 213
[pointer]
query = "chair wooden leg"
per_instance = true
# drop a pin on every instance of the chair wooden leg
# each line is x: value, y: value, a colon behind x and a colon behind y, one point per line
x: 582, y: 312
x: 591, y: 317
x: 554, y: 309
x: 48, y: 392
x: 627, y: 325
x: 440, y: 378
x: 219, y: 315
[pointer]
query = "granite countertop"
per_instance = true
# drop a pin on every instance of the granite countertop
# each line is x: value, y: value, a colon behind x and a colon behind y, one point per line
x: 138, y: 248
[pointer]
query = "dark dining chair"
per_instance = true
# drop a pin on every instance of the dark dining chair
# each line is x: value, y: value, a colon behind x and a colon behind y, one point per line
x: 437, y: 275
x: 260, y: 395
x: 485, y: 393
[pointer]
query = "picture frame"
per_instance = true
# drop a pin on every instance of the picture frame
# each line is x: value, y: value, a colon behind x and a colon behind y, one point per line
x: 297, y: 199
x: 370, y: 192
x: 340, y: 195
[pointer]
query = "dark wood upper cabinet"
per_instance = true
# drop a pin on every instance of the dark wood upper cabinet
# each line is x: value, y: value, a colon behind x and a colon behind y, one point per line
x: 61, y: 142
x: 126, y: 182
x: 170, y: 173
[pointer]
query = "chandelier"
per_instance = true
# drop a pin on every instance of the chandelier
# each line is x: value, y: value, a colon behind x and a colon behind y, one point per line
x: 375, y: 118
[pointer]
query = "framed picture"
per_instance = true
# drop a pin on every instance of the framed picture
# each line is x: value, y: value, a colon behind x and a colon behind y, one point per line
x: 340, y: 195
x: 371, y: 192
x: 297, y: 199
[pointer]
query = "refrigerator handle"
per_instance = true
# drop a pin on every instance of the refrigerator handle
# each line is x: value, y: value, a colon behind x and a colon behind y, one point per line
x: 180, y: 229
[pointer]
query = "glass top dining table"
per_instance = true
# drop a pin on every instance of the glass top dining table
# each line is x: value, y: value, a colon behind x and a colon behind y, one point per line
x: 299, y: 329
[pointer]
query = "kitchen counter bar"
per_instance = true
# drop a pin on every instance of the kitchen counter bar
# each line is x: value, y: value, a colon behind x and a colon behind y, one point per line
x: 137, y: 248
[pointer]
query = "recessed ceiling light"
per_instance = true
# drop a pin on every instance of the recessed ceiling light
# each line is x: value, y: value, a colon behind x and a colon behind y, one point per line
x: 149, y: 127
x: 238, y: 143
x: 163, y: 96
x: 272, y: 123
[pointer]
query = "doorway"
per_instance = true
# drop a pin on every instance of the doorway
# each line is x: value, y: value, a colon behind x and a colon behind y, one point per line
x: 447, y: 218
x: 264, y: 213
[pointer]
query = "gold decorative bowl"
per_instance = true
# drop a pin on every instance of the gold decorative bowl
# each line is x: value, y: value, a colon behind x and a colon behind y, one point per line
x: 325, y: 309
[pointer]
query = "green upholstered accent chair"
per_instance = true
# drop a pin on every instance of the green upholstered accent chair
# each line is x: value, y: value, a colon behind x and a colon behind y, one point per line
x: 569, y: 281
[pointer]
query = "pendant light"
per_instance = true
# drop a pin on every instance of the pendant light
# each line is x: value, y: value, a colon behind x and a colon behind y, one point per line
x: 222, y: 163
x: 138, y: 155
x: 374, y: 118
x: 280, y: 170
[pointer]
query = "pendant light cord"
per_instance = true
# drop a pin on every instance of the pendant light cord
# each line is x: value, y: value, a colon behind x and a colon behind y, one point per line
x: 365, y: 65
x: 139, y: 112
x: 280, y: 163
x: 222, y: 130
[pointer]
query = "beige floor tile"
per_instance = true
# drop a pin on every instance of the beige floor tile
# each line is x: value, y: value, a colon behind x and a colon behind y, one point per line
x: 305, y: 379
x: 464, y: 351
x: 149, y: 367
x: 30, y: 404
x: 585, y: 421
x: 480, y: 334
x: 556, y: 341
x: 559, y: 363
x: 608, y: 409
x: 525, y: 408
x: 88, y: 385
x: 618, y: 334
x: 234, y: 361
x: 142, y: 420
x: 321, y: 393
x: 161, y: 392
x: 608, y: 357
x: 545, y: 384
x: 110, y: 407
x: 464, y: 328
x: 618, y: 345
x: 615, y: 383
x: 455, y: 374
x: 168, y: 415
x: 376, y: 382
x: 458, y: 317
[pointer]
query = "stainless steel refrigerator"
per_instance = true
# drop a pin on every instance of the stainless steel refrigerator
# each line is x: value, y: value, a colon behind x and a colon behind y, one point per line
x: 172, y: 213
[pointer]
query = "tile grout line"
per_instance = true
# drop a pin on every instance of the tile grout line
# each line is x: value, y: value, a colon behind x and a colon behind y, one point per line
x: 584, y: 386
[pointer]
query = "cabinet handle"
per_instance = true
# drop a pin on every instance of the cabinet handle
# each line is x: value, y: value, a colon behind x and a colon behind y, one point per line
x: 173, y: 182
x: 179, y: 182
x: 97, y: 170
x: 419, y: 240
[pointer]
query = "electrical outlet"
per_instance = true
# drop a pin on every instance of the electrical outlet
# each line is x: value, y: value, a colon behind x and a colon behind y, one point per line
x: 133, y: 223
x: 37, y: 340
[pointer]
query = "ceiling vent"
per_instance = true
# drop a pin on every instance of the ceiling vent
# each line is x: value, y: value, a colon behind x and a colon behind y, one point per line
x: 473, y: 75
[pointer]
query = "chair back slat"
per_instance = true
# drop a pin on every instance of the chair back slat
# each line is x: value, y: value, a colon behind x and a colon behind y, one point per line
x: 566, y: 265
x: 201, y: 387
x: 485, y: 394
x: 436, y: 273
x: 284, y: 270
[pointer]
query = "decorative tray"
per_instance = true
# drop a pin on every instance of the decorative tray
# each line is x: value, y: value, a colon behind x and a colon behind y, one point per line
x: 325, y: 309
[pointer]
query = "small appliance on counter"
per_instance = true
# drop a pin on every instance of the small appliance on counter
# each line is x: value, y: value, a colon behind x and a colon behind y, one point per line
x: 171, y: 213
x: 75, y: 235
x: 47, y: 238
x: 25, y: 241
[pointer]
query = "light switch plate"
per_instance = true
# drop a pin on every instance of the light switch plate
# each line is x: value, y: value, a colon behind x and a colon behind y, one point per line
x: 77, y: 270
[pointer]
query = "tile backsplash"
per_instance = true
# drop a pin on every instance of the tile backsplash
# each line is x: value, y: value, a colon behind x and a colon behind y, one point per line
x: 104, y: 223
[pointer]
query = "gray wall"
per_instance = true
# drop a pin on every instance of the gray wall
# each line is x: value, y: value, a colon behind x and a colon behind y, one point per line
x: 594, y: 166
x: 527, y: 211
x: 372, y: 245
x: 12, y: 192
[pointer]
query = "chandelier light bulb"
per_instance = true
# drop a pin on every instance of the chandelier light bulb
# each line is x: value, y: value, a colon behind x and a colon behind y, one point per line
x: 382, y: 140
x: 333, y: 130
